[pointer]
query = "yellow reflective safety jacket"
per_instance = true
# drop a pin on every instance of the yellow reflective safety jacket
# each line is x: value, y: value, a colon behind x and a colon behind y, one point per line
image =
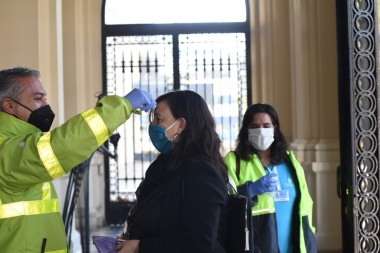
x: 264, y: 211
x: 30, y: 160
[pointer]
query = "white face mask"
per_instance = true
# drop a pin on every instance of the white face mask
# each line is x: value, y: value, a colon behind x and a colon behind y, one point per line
x: 261, y: 138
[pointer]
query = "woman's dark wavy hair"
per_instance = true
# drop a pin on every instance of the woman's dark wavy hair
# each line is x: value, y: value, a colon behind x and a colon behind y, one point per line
x: 200, y: 136
x: 279, y: 146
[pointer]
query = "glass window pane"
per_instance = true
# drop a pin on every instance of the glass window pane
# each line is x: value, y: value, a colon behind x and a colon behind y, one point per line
x: 174, y: 11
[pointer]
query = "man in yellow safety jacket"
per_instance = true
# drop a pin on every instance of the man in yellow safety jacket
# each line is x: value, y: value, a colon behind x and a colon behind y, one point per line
x: 31, y: 156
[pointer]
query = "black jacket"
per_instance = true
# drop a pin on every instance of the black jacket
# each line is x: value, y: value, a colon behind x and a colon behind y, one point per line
x: 184, y: 213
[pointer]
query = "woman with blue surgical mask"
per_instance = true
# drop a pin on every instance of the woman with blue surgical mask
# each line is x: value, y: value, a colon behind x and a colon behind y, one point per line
x: 164, y: 128
x: 267, y: 172
x: 182, y: 202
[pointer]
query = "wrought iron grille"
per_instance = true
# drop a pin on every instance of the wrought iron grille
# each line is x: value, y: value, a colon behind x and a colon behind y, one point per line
x: 364, y: 22
x: 212, y: 64
x: 359, y: 128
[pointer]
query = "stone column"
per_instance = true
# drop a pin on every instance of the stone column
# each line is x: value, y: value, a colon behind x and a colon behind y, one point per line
x: 295, y: 69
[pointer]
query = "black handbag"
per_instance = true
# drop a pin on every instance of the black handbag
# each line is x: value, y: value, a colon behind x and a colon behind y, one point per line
x: 239, y: 239
x: 240, y: 230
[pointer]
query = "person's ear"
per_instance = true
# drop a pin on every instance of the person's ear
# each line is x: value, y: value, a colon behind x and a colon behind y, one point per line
x: 182, y: 125
x: 8, y: 106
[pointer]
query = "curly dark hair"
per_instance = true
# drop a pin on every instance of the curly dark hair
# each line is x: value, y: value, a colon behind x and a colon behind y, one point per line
x: 279, y: 146
x: 199, y: 137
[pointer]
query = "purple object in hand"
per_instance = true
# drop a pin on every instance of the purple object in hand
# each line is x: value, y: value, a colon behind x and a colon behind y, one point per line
x: 104, y: 244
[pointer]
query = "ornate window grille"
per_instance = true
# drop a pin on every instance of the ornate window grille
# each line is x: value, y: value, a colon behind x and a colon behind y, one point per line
x: 209, y: 57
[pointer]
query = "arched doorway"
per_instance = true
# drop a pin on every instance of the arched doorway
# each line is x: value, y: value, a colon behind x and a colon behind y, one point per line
x: 161, y: 46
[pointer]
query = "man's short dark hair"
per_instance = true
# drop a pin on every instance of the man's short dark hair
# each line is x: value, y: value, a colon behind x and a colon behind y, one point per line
x: 9, y: 84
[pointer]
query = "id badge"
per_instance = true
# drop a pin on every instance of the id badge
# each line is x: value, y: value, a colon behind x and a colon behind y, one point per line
x: 281, y: 195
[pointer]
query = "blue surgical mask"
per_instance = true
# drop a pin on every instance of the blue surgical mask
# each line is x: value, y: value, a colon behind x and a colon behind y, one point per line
x: 159, y: 138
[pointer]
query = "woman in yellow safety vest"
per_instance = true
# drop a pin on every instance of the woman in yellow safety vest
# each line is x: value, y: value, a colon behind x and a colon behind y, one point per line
x: 267, y: 172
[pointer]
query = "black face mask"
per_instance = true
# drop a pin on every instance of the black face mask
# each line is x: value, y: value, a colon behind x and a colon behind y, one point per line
x: 41, y: 118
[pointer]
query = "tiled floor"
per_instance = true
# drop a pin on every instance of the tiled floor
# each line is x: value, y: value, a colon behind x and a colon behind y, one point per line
x: 115, y: 231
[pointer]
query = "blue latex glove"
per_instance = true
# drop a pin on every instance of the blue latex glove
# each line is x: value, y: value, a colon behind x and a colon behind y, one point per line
x: 267, y: 183
x: 142, y: 100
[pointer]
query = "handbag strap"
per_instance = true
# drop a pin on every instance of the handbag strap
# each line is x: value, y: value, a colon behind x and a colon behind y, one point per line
x: 237, y: 166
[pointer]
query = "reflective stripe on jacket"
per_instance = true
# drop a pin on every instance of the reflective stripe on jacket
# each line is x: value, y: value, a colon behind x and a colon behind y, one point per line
x: 30, y: 160
x: 264, y: 220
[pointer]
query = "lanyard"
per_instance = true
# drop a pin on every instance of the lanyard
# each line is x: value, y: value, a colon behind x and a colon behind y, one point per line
x: 272, y: 170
